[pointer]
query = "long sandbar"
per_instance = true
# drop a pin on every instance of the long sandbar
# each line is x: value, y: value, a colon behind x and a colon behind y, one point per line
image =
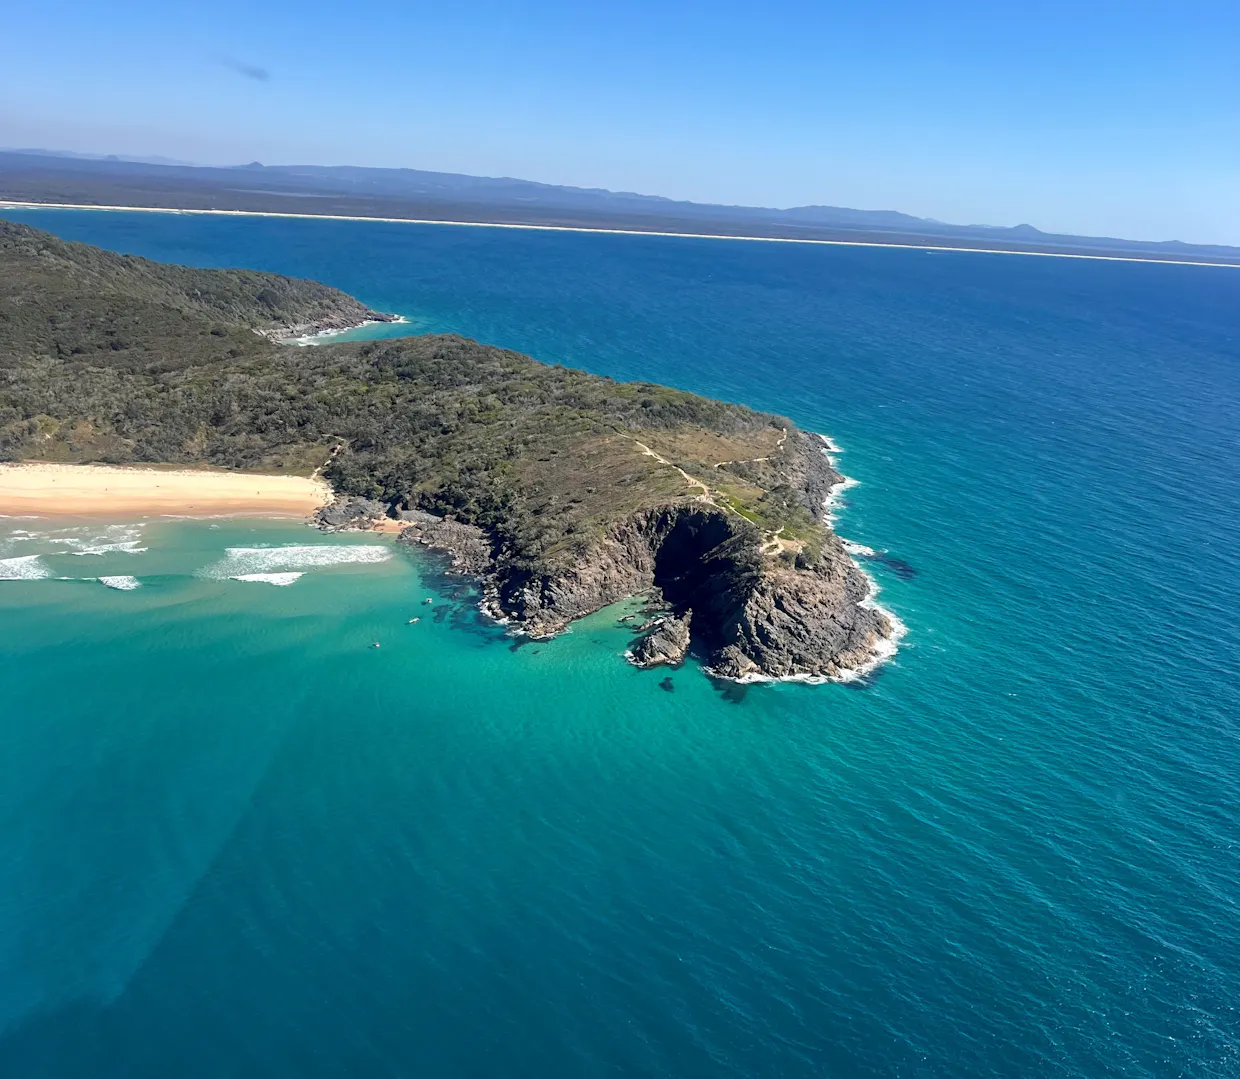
x: 7, y: 204
x: 53, y: 490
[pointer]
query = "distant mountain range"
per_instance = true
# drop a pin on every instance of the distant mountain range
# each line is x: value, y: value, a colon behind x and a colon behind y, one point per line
x: 51, y: 176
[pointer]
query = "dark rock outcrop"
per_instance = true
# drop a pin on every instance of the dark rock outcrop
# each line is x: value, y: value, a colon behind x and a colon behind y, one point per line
x: 468, y: 546
x: 803, y: 623
x: 348, y: 513
x: 754, y: 616
x: 666, y: 644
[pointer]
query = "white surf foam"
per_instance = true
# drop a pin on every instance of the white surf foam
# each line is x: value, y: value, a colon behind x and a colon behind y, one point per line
x: 23, y: 568
x: 831, y: 504
x: 279, y: 579
x: 258, y: 563
x: 887, y: 646
x: 121, y: 583
x: 858, y: 550
x: 324, y: 336
x: 109, y: 548
x: 96, y: 540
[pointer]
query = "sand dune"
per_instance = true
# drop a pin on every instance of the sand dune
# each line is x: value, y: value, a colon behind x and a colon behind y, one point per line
x: 102, y: 490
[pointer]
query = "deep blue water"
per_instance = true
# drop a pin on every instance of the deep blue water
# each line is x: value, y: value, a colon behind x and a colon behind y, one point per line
x: 234, y: 842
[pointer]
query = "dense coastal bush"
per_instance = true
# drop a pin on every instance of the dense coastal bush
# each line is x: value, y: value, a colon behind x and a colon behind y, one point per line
x: 106, y: 357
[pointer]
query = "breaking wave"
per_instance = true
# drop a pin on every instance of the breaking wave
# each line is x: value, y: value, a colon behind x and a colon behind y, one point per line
x: 283, y: 565
x: 121, y: 583
x: 279, y: 579
x: 23, y: 568
x: 858, y: 550
x: 96, y: 540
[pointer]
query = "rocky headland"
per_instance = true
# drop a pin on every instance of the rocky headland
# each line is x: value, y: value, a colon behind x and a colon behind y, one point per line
x: 756, y: 606
x: 562, y: 492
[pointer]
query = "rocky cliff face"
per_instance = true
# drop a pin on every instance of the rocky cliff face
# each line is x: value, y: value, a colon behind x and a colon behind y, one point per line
x: 753, y: 616
x: 757, y: 612
x: 803, y: 623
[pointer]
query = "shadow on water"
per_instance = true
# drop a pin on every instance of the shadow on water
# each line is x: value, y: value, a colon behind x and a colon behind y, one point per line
x: 735, y: 692
x: 898, y: 566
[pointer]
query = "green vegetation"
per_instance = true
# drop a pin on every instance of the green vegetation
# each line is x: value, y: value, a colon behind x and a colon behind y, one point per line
x: 111, y: 358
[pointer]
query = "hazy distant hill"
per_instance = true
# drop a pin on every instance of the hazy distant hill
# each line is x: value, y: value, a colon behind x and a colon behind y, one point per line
x: 42, y: 176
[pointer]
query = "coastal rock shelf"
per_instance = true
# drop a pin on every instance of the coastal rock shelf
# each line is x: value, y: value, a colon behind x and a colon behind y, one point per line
x: 561, y: 491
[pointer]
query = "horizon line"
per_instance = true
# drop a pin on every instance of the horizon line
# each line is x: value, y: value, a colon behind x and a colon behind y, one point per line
x: 22, y: 205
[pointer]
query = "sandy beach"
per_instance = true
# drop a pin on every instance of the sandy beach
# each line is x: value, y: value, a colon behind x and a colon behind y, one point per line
x: 14, y: 205
x: 47, y: 490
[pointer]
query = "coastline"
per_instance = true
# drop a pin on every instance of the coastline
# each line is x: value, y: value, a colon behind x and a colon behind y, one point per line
x: 323, y: 337
x: 885, y: 648
x: 46, y: 489
x: 14, y: 205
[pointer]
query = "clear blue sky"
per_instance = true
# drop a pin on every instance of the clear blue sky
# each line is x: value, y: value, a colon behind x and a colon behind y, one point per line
x: 1116, y: 117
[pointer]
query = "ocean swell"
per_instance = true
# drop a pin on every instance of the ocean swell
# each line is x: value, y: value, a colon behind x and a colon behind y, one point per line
x: 284, y: 565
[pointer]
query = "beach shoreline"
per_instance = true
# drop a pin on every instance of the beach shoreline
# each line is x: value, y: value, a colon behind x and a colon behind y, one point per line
x: 46, y: 489
x: 17, y: 205
x: 324, y: 337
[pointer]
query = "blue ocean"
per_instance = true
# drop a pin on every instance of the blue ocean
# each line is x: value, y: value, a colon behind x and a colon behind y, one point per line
x: 236, y: 841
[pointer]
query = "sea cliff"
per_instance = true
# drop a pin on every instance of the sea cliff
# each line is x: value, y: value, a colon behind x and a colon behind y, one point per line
x: 562, y: 491
x: 754, y: 608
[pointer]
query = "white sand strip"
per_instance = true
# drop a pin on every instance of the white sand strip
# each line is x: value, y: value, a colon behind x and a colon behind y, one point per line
x: 102, y: 490
x: 1154, y: 259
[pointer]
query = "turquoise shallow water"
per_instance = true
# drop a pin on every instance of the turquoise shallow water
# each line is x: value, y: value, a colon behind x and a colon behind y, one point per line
x: 238, y: 841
